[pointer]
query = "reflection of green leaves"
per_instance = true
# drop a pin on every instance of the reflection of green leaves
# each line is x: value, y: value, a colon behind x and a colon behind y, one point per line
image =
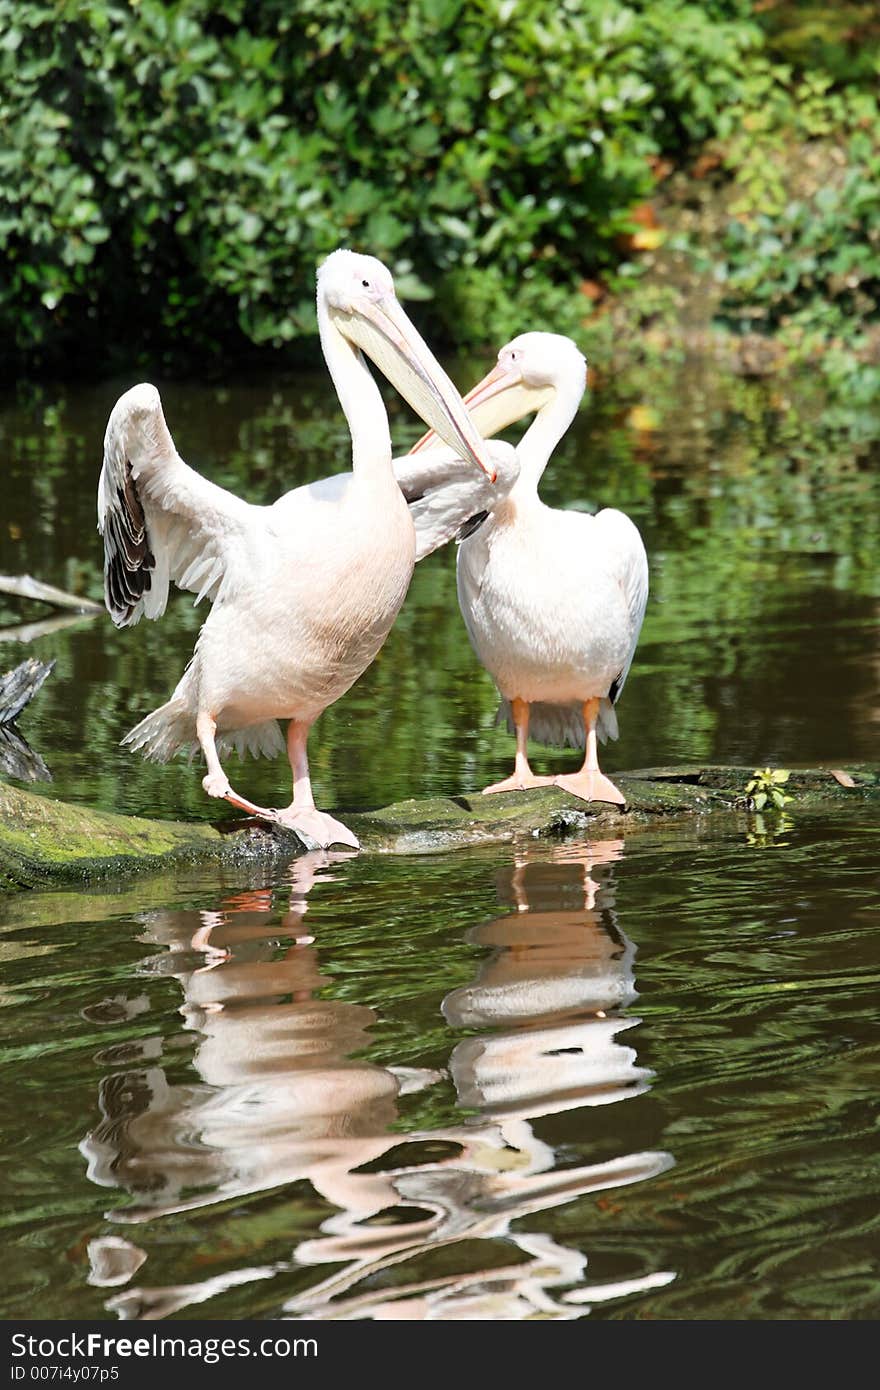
x: 765, y: 834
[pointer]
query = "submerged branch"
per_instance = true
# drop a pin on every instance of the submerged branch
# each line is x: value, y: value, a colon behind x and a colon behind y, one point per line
x: 29, y: 632
x: 18, y: 759
x: 17, y: 687
x: 25, y: 586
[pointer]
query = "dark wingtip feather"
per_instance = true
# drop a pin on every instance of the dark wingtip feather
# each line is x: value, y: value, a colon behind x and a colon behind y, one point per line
x: 472, y: 524
x: 128, y: 557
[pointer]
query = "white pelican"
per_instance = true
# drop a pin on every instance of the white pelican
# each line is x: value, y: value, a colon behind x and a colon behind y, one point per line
x: 553, y: 601
x: 305, y: 591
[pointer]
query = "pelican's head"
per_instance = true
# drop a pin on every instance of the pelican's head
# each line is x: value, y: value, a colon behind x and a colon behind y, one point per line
x: 348, y: 280
x: 531, y: 371
x: 357, y: 294
x: 540, y: 362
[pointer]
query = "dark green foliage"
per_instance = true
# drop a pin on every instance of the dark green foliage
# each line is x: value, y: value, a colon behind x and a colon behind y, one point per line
x: 842, y: 39
x: 801, y: 250
x: 171, y: 173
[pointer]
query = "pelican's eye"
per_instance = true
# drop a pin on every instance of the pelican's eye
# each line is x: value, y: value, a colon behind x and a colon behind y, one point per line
x: 366, y: 284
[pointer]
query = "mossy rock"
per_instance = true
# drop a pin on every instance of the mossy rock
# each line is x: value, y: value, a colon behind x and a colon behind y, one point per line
x: 43, y: 841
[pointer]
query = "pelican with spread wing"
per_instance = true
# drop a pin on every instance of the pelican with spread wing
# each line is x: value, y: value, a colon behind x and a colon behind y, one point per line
x: 303, y: 592
x: 553, y: 600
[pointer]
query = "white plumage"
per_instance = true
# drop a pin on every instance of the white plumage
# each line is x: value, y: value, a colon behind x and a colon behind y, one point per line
x: 447, y: 497
x: 305, y: 591
x: 553, y: 601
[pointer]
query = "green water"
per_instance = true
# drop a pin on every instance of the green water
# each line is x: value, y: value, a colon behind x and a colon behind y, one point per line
x: 628, y: 1078
x: 761, y: 517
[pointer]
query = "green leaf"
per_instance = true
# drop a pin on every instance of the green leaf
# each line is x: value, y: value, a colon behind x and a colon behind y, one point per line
x: 184, y: 170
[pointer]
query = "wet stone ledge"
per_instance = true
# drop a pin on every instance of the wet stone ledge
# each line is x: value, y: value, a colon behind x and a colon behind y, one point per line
x: 43, y: 841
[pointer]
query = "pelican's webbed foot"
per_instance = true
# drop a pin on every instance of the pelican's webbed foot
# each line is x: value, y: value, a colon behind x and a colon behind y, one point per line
x: 518, y: 782
x: 591, y: 785
x: 315, y: 827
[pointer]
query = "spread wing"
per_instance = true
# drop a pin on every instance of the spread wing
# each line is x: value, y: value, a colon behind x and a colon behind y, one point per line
x: 447, y: 496
x: 161, y: 520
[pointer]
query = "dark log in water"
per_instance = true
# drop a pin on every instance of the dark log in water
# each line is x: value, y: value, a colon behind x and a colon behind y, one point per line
x: 18, y: 759
x: 17, y: 687
x: 20, y: 685
x: 44, y: 841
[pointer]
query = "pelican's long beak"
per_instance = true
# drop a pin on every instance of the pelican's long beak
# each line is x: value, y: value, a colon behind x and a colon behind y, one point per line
x: 500, y: 399
x: 382, y: 330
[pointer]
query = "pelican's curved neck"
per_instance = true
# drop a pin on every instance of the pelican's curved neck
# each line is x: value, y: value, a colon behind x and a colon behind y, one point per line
x: 544, y: 433
x: 359, y: 397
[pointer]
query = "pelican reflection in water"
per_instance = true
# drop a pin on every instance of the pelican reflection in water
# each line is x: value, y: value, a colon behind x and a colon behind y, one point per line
x: 281, y: 1096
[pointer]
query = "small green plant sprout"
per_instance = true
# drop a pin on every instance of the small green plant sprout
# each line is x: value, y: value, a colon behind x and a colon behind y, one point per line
x: 764, y: 789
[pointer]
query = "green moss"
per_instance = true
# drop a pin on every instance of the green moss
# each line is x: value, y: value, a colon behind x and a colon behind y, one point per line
x: 42, y: 839
x: 46, y: 841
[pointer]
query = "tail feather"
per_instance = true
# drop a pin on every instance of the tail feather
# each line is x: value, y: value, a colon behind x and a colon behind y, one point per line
x: 171, y: 729
x: 259, y: 740
x: 164, y: 732
x: 562, y: 726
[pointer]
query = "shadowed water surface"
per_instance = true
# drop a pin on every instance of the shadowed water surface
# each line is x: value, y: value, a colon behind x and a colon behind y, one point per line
x: 618, y: 1079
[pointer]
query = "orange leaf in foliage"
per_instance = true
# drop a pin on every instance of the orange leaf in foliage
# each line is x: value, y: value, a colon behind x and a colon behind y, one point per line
x: 648, y: 235
x: 705, y: 164
x: 648, y: 239
x: 644, y: 215
x: 661, y: 168
x: 591, y: 289
x: 643, y: 418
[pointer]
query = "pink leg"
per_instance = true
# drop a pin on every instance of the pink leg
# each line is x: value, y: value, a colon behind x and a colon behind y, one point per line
x: 215, y: 781
x: 590, y: 784
x: 523, y: 776
x: 301, y: 815
x: 314, y: 826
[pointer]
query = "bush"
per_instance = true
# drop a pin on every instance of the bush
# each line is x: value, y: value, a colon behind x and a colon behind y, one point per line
x: 170, y: 174
x: 801, y: 250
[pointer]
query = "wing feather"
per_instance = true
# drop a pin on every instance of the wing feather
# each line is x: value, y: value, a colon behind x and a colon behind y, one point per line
x: 446, y: 494
x: 631, y: 567
x: 161, y: 520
